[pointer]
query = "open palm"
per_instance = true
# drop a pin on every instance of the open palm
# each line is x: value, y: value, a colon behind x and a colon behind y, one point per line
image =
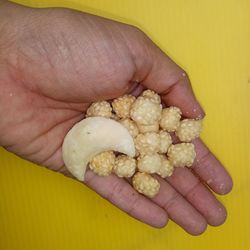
x: 56, y: 63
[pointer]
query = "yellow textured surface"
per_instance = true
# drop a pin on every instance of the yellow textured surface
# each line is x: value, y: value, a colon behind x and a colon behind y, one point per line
x: 210, y: 39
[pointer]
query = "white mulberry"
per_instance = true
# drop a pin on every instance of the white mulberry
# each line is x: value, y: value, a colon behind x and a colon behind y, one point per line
x: 145, y: 112
x: 122, y: 105
x: 170, y: 119
x: 182, y: 154
x: 189, y: 129
x: 166, y: 168
x: 150, y: 163
x: 124, y: 166
x: 103, y: 163
x: 102, y: 108
x: 165, y: 141
x: 147, y: 143
x: 146, y: 184
x: 151, y: 95
x: 130, y: 126
x: 148, y: 128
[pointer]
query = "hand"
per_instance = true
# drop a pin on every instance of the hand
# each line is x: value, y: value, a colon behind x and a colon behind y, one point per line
x: 55, y: 62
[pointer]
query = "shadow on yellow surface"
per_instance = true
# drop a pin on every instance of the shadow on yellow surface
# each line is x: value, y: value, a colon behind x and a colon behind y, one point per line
x: 210, y: 40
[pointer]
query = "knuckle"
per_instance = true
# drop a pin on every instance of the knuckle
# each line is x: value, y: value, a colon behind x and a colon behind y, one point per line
x: 202, y: 159
x: 113, y: 192
x: 133, y: 204
x: 182, y: 77
x: 192, y: 190
x: 171, y: 201
x: 123, y: 193
x: 117, y: 191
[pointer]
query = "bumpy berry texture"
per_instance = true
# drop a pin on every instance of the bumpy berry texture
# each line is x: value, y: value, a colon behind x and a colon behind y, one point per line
x: 103, y: 163
x: 166, y: 168
x: 189, y: 129
x: 152, y: 96
x: 122, y: 105
x: 150, y: 163
x: 146, y: 184
x: 182, y: 154
x: 130, y: 126
x: 125, y: 166
x: 102, y: 108
x: 165, y: 141
x: 147, y: 143
x: 170, y: 119
x: 146, y: 112
x: 148, y: 128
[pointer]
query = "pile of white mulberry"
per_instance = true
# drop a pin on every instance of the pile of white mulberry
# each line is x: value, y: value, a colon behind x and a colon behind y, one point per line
x: 150, y: 125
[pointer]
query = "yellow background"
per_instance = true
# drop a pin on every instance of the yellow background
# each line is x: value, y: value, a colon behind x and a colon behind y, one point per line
x: 210, y: 40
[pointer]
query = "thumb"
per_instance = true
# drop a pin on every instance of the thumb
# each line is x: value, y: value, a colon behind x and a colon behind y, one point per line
x: 168, y: 79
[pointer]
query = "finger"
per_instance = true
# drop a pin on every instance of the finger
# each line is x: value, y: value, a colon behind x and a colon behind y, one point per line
x: 198, y: 195
x: 119, y: 192
x: 210, y: 169
x: 136, y: 89
x: 179, y: 210
x: 168, y: 79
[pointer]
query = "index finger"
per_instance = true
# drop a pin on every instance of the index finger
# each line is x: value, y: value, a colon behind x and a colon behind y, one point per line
x: 165, y: 77
x: 171, y: 82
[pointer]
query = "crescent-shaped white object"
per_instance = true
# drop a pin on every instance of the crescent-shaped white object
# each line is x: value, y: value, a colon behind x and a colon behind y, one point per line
x: 92, y: 136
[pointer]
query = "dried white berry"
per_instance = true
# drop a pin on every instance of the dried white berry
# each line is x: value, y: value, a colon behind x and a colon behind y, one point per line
x: 149, y: 163
x: 124, y: 166
x: 145, y: 112
x: 146, y: 184
x: 189, y: 129
x: 170, y: 119
x: 152, y: 95
x: 103, y: 163
x: 130, y: 126
x: 139, y: 129
x: 122, y: 105
x: 102, y: 108
x: 148, y: 128
x: 166, y: 168
x: 147, y: 143
x: 165, y: 141
x: 182, y: 154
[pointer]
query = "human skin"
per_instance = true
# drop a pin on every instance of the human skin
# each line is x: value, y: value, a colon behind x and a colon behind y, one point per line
x: 54, y: 62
